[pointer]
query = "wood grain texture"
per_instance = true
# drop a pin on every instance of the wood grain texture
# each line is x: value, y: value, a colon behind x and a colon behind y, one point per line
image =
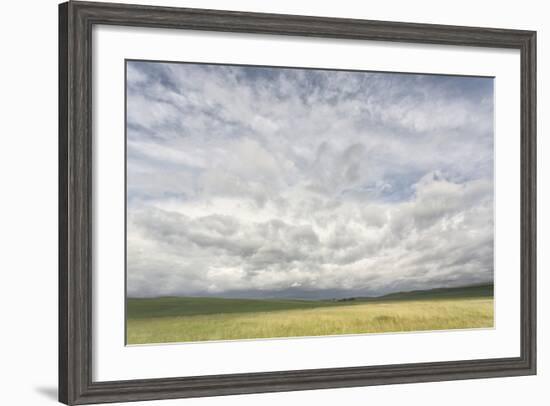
x: 63, y: 247
x: 76, y: 20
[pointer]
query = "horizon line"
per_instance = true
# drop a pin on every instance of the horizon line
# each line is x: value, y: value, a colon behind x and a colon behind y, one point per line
x: 481, y: 284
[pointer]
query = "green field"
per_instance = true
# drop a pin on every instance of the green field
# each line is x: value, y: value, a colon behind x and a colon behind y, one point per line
x: 184, y: 319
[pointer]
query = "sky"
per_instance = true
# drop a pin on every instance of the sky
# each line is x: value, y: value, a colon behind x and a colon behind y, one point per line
x: 248, y: 181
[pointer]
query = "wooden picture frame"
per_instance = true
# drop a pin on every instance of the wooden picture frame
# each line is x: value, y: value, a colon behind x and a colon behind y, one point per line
x: 76, y: 20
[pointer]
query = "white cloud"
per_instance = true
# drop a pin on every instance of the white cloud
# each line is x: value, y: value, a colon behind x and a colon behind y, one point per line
x: 258, y: 179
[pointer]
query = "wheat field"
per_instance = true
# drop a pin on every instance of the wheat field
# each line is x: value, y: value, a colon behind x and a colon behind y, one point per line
x: 151, y: 322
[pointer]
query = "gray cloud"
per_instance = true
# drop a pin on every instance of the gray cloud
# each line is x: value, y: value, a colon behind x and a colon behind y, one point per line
x: 262, y: 181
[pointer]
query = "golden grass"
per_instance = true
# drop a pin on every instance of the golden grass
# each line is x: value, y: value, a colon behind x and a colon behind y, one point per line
x: 361, y: 318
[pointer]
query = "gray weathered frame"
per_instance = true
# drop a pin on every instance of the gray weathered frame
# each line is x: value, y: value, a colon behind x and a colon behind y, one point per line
x: 76, y: 20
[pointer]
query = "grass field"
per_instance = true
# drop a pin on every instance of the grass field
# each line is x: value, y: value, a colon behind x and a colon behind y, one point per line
x: 181, y: 319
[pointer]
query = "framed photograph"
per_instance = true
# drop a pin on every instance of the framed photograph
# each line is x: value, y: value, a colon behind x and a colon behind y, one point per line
x: 257, y: 202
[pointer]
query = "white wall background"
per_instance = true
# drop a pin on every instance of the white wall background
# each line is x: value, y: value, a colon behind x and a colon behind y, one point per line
x: 28, y: 200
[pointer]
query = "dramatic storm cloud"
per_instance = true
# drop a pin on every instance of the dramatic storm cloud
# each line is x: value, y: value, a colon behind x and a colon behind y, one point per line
x: 252, y: 181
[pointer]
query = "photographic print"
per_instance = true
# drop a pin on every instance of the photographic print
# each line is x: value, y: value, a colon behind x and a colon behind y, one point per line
x: 277, y: 202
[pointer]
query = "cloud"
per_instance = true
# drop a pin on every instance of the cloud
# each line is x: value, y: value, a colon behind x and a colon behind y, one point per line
x: 262, y: 181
